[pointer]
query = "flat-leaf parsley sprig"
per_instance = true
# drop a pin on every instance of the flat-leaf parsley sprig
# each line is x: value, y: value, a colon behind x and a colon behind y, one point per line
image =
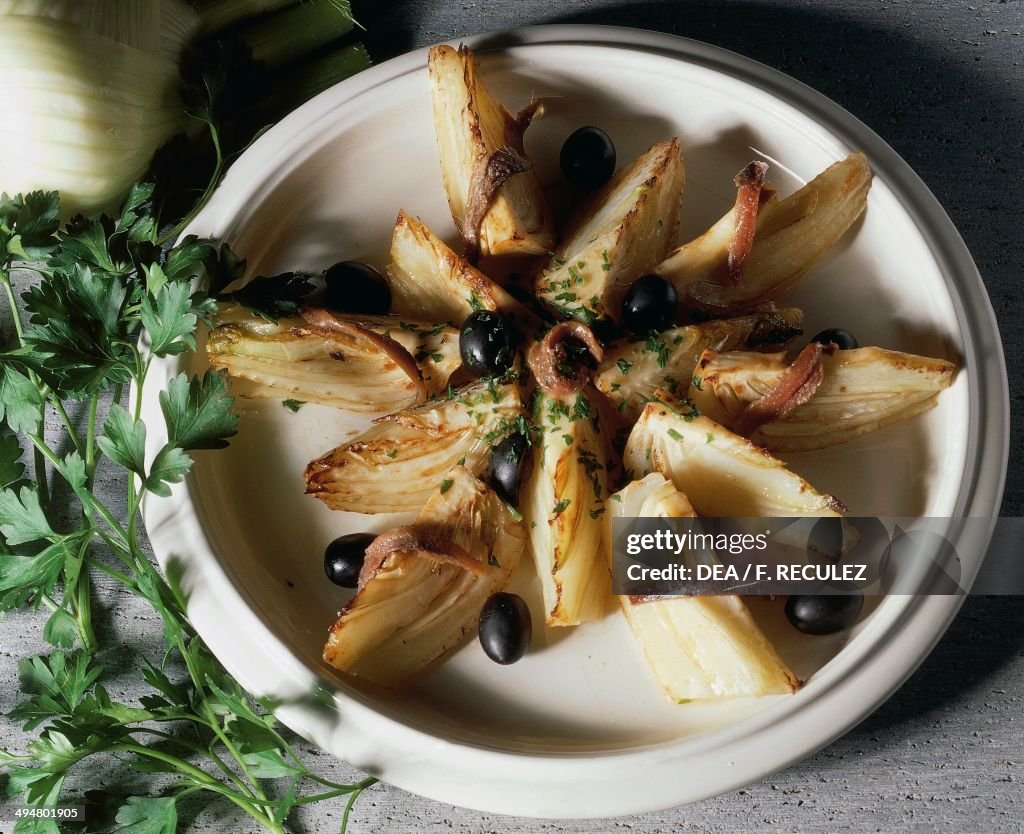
x: 99, y: 285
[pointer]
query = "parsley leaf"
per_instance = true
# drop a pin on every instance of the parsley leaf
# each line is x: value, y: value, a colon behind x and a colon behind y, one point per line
x: 275, y: 297
x: 62, y: 678
x: 198, y: 411
x: 84, y: 243
x: 169, y: 466
x: 80, y: 339
x: 22, y: 518
x: 124, y: 440
x: 25, y: 577
x: 148, y: 815
x: 193, y: 258
x: 168, y: 319
x: 20, y: 399
x: 27, y: 225
x: 11, y: 467
x: 60, y: 629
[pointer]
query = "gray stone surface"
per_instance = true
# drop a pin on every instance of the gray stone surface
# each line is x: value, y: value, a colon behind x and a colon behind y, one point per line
x: 943, y: 82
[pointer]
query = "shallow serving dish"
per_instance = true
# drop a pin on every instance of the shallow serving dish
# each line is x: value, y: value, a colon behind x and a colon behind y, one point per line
x: 547, y: 736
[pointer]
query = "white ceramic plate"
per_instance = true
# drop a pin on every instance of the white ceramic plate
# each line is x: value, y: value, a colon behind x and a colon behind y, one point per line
x: 578, y: 728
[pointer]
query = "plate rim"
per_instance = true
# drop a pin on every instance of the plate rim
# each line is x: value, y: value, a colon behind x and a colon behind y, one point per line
x: 356, y: 731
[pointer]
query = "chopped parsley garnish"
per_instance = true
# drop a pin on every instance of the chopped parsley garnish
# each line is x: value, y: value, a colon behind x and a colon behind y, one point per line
x: 657, y: 345
x: 581, y: 409
x: 293, y: 405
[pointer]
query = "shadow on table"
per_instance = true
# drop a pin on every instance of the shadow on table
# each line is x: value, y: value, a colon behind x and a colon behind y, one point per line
x: 987, y: 634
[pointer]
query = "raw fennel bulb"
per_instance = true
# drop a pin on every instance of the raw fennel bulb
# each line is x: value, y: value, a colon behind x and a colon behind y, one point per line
x: 91, y: 88
x: 90, y: 92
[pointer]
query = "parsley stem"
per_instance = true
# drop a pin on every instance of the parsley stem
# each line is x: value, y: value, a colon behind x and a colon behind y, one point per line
x: 361, y: 786
x: 351, y: 791
x: 205, y: 709
x: 58, y: 406
x: 5, y: 279
x: 113, y: 573
x: 204, y: 779
x: 199, y: 750
x: 218, y: 170
x: 80, y: 590
x: 112, y: 522
x: 42, y: 486
x: 37, y: 460
x: 134, y: 495
x: 82, y: 603
x: 121, y: 545
x: 90, y: 442
x: 97, y: 505
x: 118, y: 549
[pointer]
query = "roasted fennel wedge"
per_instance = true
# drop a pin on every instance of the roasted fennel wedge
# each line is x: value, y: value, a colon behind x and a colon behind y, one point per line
x: 721, y: 473
x: 861, y: 391
x: 399, y: 461
x: 347, y: 368
x: 412, y: 609
x: 790, y: 236
x: 563, y: 505
x: 700, y: 647
x: 471, y: 126
x: 623, y: 232
x: 633, y: 369
x: 429, y: 282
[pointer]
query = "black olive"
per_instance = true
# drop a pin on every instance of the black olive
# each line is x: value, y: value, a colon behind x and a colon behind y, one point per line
x: 355, y: 287
x: 588, y: 158
x: 505, y: 628
x: 507, y: 458
x: 485, y: 343
x: 650, y: 304
x: 824, y: 614
x: 343, y: 558
x: 842, y: 339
